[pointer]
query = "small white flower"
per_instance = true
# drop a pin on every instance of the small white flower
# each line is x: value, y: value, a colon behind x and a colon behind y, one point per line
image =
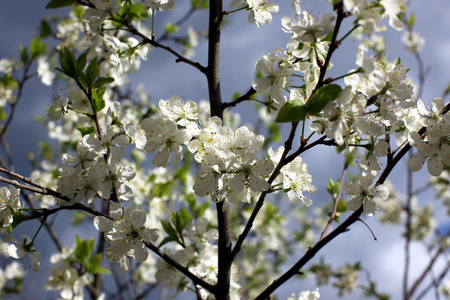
x: 261, y: 11
x: 24, y: 251
x: 9, y: 202
x: 127, y: 232
x: 164, y: 136
x: 365, y: 193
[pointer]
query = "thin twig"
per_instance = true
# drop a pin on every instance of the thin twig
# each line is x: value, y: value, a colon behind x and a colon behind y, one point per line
x: 335, y: 203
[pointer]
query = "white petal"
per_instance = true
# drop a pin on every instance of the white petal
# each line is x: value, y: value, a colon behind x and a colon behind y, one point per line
x: 258, y: 184
x: 102, y: 224
x: 370, y: 208
x: 354, y: 203
x: 416, y: 162
x: 434, y: 166
x: 162, y: 159
x: 237, y: 182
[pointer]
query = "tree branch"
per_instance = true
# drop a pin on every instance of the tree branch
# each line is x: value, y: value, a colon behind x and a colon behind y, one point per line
x: 210, y: 288
x: 147, y: 40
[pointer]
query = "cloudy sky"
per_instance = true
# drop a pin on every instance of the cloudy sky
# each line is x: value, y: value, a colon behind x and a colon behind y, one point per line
x: 242, y: 45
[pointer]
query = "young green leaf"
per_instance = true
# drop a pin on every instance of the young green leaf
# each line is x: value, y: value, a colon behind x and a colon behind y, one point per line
x: 92, y: 72
x: 81, y: 62
x: 93, y: 266
x: 97, y: 99
x: 292, y: 111
x: 86, y: 130
x: 83, y: 249
x: 45, y: 30
x: 321, y: 97
x: 102, y: 81
x: 67, y: 61
x: 37, y: 48
x: 23, y: 54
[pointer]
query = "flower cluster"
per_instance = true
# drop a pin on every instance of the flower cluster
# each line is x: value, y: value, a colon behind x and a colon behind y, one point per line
x: 126, y: 233
x: 296, y: 178
x: 9, y: 204
x: 364, y: 192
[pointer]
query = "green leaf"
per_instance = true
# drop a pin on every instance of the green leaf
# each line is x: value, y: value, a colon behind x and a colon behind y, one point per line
x: 180, y: 219
x: 81, y: 62
x: 171, y: 232
x: 82, y: 250
x: 18, y: 218
x: 203, y: 4
x: 86, y: 130
x: 341, y: 207
x: 45, y: 30
x: 321, y: 97
x: 78, y: 11
x: 333, y: 187
x: 292, y: 111
x: 411, y: 21
x: 37, y: 48
x: 138, y: 11
x: 3, y: 115
x: 83, y: 79
x: 67, y: 61
x: 59, y: 3
x: 102, y: 81
x: 171, y: 28
x: 97, y: 99
x: 92, y: 72
x: 23, y: 54
x: 93, y: 266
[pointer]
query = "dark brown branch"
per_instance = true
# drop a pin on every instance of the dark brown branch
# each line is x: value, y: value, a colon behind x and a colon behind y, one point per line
x: 246, y: 96
x: 260, y: 202
x: 222, y: 291
x: 340, y: 229
x: 210, y: 288
x: 344, y: 227
x: 147, y: 40
x: 25, y: 77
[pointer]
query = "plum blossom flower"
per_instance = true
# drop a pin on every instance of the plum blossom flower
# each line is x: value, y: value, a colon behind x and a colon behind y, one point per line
x: 250, y: 172
x: 297, y: 180
x: 45, y: 72
x: 110, y: 143
x: 58, y: 108
x: 364, y: 192
x: 276, y: 72
x: 306, y: 29
x: 435, y: 149
x: 9, y: 202
x: 261, y: 11
x: 164, y: 136
x: 342, y: 115
x: 94, y: 17
x: 306, y: 295
x: 24, y: 251
x: 413, y: 41
x: 184, y: 114
x: 126, y: 233
x: 392, y: 9
x: 114, y: 175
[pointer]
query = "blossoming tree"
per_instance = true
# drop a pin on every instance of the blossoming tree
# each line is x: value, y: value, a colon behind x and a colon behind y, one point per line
x: 179, y: 195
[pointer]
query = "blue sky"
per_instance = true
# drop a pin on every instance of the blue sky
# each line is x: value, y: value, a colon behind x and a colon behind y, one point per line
x: 242, y: 45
